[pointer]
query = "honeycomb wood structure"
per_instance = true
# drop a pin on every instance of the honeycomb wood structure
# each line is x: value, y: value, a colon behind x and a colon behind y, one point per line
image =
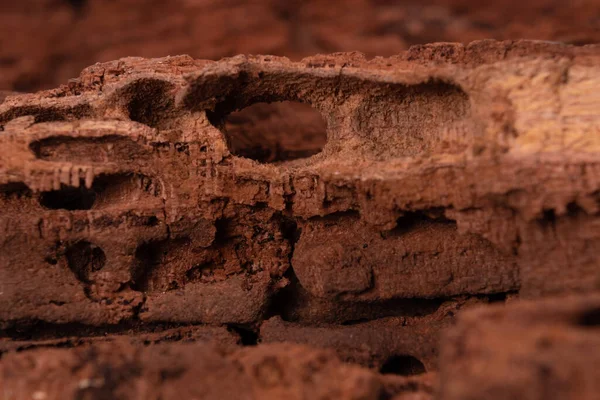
x: 141, y: 206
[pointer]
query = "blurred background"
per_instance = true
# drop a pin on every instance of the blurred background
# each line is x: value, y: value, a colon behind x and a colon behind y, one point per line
x: 43, y: 43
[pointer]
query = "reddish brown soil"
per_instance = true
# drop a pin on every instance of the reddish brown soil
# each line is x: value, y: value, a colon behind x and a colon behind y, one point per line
x: 157, y: 201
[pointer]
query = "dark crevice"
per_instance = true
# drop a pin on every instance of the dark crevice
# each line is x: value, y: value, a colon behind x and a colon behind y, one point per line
x: 146, y: 258
x: 15, y: 189
x: 85, y: 258
x: 289, y: 198
x: 223, y: 230
x: 283, y: 302
x: 284, y: 297
x: 290, y: 232
x: 335, y: 216
x: 573, y: 210
x: 590, y: 319
x: 356, y: 321
x: 106, y: 190
x: 215, y: 118
x: 403, y: 365
x: 411, y: 220
x: 41, y: 330
x: 138, y: 309
x: 497, y: 298
x: 248, y: 336
x: 548, y: 217
x: 68, y: 198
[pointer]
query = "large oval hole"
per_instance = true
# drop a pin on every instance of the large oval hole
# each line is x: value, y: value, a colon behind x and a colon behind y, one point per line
x: 275, y: 132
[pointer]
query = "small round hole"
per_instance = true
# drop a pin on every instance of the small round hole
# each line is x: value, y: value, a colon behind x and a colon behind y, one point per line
x: 275, y: 132
x: 402, y: 365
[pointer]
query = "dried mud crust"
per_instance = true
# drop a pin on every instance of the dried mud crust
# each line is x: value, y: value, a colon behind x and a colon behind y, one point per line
x: 450, y: 175
x: 527, y: 350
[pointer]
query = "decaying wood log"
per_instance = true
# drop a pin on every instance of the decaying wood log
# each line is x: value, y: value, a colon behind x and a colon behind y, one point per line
x: 372, y: 202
